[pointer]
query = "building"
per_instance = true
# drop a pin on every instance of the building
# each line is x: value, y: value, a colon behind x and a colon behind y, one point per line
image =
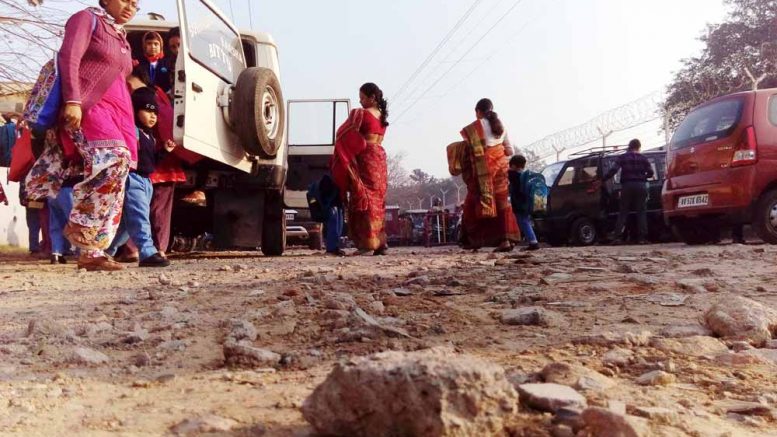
x: 13, y: 226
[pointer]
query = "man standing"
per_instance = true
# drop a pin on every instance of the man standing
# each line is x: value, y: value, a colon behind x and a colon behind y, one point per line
x: 635, y: 171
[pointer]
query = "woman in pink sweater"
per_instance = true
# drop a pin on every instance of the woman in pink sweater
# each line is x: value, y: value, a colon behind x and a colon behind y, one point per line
x: 94, y: 63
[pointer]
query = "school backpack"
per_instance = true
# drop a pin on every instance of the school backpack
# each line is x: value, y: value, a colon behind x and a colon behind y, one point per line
x: 535, y: 191
x: 42, y: 109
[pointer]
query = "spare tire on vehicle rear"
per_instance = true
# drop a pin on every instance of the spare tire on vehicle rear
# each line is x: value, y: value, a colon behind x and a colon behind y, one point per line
x: 257, y: 112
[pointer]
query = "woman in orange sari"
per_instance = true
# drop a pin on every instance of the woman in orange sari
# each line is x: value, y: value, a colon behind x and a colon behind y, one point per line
x: 360, y: 172
x: 482, y: 162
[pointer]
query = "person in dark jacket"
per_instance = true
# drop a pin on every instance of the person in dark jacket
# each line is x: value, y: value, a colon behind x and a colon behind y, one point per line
x: 520, y: 202
x: 159, y: 67
x: 635, y: 171
x: 135, y: 221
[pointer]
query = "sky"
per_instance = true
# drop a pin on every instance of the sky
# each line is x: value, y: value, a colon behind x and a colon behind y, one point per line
x: 547, y: 65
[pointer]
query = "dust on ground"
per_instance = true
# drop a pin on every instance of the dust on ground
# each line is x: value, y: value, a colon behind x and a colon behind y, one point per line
x: 139, y: 351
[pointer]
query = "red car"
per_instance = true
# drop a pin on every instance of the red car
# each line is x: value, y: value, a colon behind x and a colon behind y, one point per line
x: 722, y: 168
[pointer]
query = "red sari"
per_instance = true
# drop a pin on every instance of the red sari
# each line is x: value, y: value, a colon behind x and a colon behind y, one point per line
x: 359, y: 169
x: 488, y: 217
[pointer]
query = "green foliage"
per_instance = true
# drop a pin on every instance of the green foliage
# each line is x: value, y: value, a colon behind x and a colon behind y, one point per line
x: 740, y: 54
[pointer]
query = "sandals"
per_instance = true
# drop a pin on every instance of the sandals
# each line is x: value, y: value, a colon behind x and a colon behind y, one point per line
x: 196, y: 198
x: 504, y: 247
x: 99, y: 264
x: 81, y: 236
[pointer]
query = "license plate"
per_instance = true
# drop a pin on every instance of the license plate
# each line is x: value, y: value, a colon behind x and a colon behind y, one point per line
x: 693, y: 201
x: 290, y: 217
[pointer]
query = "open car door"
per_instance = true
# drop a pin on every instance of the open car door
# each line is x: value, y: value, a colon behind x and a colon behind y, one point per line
x: 312, y: 125
x: 210, y: 61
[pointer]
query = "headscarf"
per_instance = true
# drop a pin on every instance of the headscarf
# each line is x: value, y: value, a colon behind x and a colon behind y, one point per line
x: 102, y: 13
x: 158, y: 37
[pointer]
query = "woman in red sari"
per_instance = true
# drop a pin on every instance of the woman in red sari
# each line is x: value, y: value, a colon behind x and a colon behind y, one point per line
x: 481, y: 160
x: 360, y: 172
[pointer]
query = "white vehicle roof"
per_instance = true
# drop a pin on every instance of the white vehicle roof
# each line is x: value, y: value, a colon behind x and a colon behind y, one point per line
x: 161, y: 25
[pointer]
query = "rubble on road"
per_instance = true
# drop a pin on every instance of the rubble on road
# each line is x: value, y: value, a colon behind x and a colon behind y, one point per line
x: 674, y: 348
x: 431, y: 393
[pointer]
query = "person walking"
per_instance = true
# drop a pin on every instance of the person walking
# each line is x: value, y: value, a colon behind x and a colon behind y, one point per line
x: 136, y: 221
x: 520, y: 201
x: 94, y: 62
x: 635, y: 171
x: 359, y: 168
x: 481, y: 160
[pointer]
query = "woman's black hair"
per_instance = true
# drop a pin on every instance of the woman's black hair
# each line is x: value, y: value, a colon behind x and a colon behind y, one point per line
x: 102, y: 4
x: 486, y: 107
x: 142, y: 74
x: 371, y: 90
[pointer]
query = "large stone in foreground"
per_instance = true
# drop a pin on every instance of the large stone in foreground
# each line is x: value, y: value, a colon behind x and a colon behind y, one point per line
x: 738, y: 318
x: 550, y: 397
x: 426, y: 393
x: 605, y: 423
x: 697, y: 346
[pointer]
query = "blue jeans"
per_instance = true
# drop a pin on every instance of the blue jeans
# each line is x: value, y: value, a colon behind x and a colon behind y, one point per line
x: 135, y: 221
x: 33, y: 225
x: 59, y: 214
x: 333, y: 229
x: 524, y: 222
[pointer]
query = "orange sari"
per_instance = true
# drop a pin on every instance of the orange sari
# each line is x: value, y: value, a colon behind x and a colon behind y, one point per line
x: 359, y: 169
x: 488, y: 217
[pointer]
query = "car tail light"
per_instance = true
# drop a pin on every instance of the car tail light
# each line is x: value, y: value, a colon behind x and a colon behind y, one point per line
x: 746, y: 151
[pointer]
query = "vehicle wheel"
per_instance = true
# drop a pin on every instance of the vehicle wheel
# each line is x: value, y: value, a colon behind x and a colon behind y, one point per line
x: 694, y: 233
x: 765, y: 221
x: 584, y: 232
x: 315, y: 241
x: 257, y: 112
x: 274, y: 224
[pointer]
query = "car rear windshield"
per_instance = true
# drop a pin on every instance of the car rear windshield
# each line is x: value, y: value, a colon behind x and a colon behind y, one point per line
x: 551, y: 172
x: 708, y: 123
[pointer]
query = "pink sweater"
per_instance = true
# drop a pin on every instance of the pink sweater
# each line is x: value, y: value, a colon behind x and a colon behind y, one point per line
x: 89, y: 63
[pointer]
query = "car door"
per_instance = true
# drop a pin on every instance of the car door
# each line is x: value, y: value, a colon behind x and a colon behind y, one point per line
x: 312, y: 125
x: 210, y: 61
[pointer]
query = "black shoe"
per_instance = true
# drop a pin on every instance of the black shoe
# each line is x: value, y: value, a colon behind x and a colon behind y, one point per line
x: 155, y: 260
x: 381, y: 251
x: 531, y: 248
x: 58, y: 259
x: 338, y: 252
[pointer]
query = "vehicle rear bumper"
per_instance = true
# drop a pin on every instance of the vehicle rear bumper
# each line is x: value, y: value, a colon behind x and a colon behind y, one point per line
x: 297, y: 232
x: 728, y: 203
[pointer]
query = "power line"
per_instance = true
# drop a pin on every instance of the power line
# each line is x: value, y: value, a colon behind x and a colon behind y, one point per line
x: 437, y: 49
x: 458, y: 61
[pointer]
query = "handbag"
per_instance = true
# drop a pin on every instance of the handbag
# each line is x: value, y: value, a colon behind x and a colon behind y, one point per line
x: 22, y: 158
x: 42, y: 108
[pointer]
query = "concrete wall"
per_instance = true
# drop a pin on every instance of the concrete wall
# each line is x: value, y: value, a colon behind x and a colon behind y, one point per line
x: 13, y: 224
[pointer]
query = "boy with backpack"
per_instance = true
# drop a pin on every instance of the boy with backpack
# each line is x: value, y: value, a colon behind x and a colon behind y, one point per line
x: 522, y: 198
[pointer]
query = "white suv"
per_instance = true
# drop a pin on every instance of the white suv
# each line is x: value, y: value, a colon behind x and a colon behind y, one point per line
x: 229, y: 108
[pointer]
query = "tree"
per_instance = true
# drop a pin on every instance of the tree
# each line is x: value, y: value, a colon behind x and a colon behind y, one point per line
x: 420, y: 177
x: 30, y: 32
x: 739, y: 54
x: 397, y: 174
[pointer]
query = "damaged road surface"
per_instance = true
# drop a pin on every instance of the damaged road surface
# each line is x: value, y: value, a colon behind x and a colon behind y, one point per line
x: 634, y: 341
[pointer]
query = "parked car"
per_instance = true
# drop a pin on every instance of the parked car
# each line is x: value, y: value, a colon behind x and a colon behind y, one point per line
x: 229, y: 109
x: 722, y: 168
x: 578, y: 213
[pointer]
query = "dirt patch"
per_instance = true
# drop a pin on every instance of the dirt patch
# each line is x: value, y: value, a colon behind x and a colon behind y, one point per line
x: 162, y: 334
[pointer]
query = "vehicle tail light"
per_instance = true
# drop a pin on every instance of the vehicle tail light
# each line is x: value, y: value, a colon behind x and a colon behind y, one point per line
x: 746, y: 150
